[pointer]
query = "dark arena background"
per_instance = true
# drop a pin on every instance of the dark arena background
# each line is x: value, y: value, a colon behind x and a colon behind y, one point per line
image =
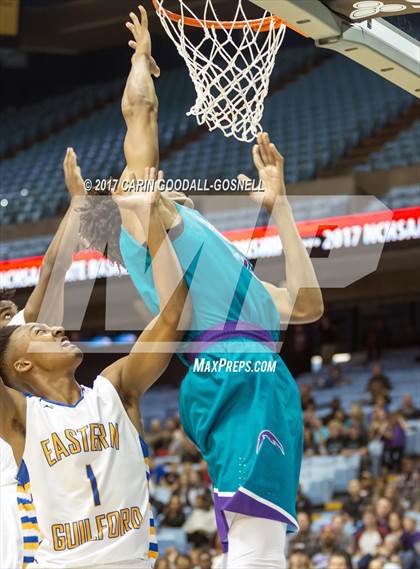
x: 346, y: 134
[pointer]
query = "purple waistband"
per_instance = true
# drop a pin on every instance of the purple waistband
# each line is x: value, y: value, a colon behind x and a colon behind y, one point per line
x: 228, y: 331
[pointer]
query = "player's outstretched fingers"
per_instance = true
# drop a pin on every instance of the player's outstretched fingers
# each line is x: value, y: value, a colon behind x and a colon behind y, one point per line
x: 265, y: 148
x: 277, y: 157
x: 243, y: 178
x: 135, y: 20
x: 73, y: 161
x: 144, y: 17
x: 259, y: 164
x: 66, y: 160
x: 132, y: 29
x: 259, y: 144
x: 69, y: 161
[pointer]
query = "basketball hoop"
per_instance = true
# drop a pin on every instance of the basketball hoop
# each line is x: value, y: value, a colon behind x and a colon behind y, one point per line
x: 230, y: 65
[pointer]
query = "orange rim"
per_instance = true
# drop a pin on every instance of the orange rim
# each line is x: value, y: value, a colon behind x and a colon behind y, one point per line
x: 262, y: 24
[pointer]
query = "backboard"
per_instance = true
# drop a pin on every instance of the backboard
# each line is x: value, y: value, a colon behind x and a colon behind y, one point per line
x: 359, y: 31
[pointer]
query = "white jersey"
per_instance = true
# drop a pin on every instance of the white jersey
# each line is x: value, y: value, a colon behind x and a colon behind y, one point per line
x: 18, y: 529
x: 8, y: 468
x: 18, y: 319
x: 89, y: 480
x: 11, y: 540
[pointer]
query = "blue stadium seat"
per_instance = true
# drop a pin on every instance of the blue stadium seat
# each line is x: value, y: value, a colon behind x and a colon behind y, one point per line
x: 312, y: 125
x: 400, y: 152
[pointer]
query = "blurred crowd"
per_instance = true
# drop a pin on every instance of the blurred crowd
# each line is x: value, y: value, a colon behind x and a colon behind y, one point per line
x: 375, y: 525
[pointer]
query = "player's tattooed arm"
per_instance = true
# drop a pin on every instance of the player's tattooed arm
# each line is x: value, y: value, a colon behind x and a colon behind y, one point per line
x: 300, y: 301
x: 151, y: 354
x: 46, y: 302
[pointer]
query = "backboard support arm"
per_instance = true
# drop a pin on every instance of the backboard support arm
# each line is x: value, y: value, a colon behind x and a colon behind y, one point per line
x: 375, y: 44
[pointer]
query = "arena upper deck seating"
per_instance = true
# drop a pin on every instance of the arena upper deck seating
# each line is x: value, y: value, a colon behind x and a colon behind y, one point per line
x: 22, y: 126
x: 312, y: 126
x: 402, y: 151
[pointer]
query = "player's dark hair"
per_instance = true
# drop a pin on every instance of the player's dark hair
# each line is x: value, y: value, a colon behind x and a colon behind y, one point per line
x: 100, y: 226
x: 5, y: 335
x: 7, y: 294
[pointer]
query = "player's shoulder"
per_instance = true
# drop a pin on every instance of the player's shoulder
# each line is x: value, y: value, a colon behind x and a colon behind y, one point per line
x: 103, y: 384
x: 12, y: 395
x: 107, y: 393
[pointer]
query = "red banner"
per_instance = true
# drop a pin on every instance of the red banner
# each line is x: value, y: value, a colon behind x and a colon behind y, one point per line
x: 261, y: 242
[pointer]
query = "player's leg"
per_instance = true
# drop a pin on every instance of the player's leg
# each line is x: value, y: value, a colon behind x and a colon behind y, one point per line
x: 255, y: 543
x: 251, y: 439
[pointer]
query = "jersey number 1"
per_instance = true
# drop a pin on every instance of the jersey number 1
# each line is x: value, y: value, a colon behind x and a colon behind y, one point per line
x: 94, y: 485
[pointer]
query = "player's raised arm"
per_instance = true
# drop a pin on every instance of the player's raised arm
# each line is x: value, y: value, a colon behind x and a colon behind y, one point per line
x: 140, y: 110
x: 12, y: 409
x: 300, y: 302
x: 46, y: 303
x: 139, y: 103
x: 134, y: 374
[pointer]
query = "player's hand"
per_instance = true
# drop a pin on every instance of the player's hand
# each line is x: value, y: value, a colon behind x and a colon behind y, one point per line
x: 73, y: 175
x: 270, y: 165
x: 142, y: 43
x: 139, y: 196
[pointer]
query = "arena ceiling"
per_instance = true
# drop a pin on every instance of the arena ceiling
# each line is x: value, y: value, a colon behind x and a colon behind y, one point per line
x: 77, y: 26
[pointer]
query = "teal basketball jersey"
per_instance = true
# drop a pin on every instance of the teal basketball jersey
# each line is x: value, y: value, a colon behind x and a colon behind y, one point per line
x: 247, y: 425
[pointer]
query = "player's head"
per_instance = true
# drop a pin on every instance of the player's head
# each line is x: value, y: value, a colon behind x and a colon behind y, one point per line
x: 100, y: 226
x: 33, y: 354
x: 100, y: 223
x: 8, y: 308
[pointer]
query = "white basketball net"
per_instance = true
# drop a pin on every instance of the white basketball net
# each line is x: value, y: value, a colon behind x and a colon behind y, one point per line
x: 230, y: 68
